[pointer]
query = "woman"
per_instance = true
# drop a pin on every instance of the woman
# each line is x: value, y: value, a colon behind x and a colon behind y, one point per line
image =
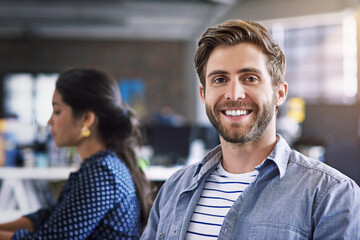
x: 109, y: 196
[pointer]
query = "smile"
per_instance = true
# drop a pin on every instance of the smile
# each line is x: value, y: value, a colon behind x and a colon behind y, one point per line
x: 236, y: 113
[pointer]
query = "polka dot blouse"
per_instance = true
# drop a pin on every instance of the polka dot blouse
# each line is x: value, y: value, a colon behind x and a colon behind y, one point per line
x: 99, y: 201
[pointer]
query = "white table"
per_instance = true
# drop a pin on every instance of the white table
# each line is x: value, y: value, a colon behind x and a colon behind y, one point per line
x: 160, y: 173
x: 154, y: 173
x: 19, y: 196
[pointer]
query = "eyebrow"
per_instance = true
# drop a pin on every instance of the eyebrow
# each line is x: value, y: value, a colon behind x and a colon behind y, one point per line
x: 216, y: 72
x: 243, y: 70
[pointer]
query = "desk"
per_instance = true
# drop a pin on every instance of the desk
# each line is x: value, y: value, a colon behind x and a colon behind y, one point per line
x: 51, y: 173
x: 19, y: 194
x: 154, y: 173
x: 160, y: 173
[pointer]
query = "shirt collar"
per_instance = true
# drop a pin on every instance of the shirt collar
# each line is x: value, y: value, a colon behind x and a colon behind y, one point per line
x: 209, y: 162
x: 279, y: 156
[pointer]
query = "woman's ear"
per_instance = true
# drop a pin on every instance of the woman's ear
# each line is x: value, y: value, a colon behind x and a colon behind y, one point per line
x: 88, y: 118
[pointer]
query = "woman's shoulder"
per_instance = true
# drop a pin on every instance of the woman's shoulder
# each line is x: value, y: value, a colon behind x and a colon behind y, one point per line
x: 104, y: 163
x: 106, y: 168
x: 113, y: 167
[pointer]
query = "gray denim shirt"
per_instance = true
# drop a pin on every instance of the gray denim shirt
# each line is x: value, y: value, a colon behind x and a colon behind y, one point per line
x: 293, y: 197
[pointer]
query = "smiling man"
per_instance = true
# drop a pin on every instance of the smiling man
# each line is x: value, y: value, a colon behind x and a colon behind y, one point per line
x: 252, y: 186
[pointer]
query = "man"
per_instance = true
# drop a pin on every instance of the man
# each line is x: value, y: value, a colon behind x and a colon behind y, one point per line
x: 252, y: 186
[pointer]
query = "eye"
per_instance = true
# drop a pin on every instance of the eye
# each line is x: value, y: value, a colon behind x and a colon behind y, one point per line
x: 252, y: 79
x: 56, y: 112
x: 219, y: 80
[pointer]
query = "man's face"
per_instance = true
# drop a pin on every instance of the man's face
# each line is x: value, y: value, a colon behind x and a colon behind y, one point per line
x: 239, y: 96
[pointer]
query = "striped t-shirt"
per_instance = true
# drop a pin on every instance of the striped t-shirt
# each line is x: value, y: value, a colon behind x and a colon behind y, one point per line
x: 219, y: 194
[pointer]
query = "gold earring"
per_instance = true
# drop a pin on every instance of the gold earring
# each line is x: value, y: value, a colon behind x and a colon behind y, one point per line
x: 85, y: 131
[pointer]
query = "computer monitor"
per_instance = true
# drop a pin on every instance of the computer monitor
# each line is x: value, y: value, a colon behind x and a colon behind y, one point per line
x: 325, y: 124
x: 170, y: 144
x: 207, y: 134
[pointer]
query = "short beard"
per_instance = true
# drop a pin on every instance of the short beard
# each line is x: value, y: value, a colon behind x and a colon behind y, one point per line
x: 262, y: 120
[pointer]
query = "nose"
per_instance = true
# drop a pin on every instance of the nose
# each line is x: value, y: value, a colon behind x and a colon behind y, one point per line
x: 235, y: 90
x: 50, y: 120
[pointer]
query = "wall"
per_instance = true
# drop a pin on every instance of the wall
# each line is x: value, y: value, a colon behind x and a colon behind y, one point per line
x: 160, y: 64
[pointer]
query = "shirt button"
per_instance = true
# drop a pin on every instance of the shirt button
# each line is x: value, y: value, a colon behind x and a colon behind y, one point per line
x: 161, y: 235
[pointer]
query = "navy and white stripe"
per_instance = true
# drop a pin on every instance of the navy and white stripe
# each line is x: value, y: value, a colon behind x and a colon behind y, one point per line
x: 219, y: 194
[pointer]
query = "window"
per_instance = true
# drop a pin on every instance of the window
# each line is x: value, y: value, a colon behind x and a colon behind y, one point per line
x: 321, y: 57
x: 27, y: 97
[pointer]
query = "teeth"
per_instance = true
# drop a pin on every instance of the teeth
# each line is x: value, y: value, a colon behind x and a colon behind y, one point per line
x: 235, y: 113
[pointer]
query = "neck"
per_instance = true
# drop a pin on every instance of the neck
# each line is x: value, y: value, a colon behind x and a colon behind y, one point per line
x: 244, y: 157
x: 90, y: 146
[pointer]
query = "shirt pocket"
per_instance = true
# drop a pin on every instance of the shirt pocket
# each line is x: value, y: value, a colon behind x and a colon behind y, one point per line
x: 277, y: 231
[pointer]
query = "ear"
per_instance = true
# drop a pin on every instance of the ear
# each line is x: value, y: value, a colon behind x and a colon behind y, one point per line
x: 202, y: 93
x: 88, y: 118
x: 281, y: 93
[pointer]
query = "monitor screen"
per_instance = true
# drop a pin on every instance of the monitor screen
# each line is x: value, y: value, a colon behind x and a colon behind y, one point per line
x: 325, y: 124
x: 170, y: 144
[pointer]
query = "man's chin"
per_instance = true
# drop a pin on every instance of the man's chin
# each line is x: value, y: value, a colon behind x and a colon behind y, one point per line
x: 237, y: 139
x: 233, y: 136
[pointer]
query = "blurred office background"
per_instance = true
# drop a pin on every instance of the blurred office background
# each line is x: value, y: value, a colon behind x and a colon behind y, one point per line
x: 149, y: 45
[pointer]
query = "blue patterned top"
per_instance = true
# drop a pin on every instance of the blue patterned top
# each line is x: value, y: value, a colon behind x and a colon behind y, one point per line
x: 99, y: 201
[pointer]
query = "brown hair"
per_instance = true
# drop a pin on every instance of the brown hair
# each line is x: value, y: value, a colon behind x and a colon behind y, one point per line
x: 233, y: 32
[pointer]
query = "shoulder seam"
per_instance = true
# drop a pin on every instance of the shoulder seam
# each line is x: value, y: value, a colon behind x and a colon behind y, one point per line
x: 338, y: 178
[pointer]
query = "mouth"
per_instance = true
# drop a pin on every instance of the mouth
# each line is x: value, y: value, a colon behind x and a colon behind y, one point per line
x: 236, y: 112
